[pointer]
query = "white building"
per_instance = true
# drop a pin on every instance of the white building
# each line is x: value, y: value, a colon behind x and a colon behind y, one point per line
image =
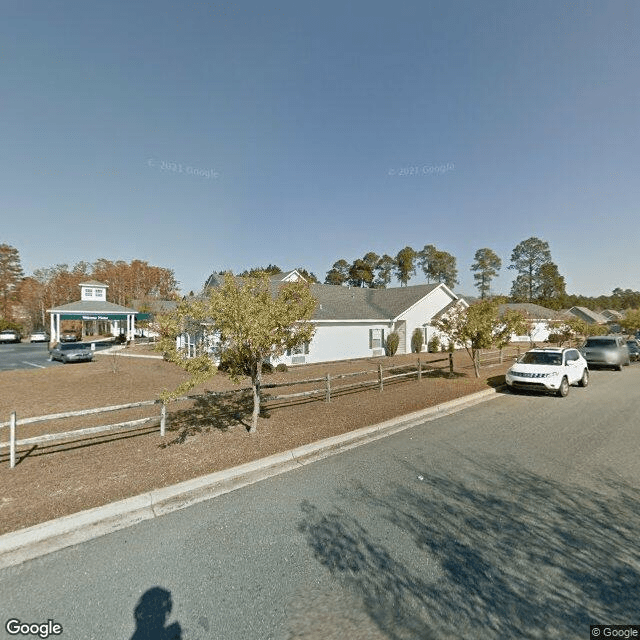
x: 354, y: 322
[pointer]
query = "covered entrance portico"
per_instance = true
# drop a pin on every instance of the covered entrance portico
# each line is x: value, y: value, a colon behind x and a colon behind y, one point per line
x: 93, y: 308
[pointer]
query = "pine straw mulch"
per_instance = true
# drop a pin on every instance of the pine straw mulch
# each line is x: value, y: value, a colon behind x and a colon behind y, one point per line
x: 204, y: 435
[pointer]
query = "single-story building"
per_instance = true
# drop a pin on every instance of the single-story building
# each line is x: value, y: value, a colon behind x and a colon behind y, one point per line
x: 94, y: 313
x: 542, y: 321
x: 353, y: 322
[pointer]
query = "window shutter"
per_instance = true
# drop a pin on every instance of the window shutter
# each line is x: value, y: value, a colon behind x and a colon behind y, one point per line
x: 306, y: 348
x: 370, y: 338
x: 382, y: 338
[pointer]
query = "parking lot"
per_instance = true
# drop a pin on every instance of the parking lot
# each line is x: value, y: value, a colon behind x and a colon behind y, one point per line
x: 26, y: 355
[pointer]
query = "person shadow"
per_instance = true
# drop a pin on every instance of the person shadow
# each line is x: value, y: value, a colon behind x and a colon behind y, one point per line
x: 151, y: 613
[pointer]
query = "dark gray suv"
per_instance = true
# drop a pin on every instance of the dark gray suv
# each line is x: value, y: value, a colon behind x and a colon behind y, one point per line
x: 606, y: 351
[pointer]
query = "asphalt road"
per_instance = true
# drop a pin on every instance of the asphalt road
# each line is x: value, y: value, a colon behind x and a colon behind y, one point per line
x: 516, y: 518
x: 27, y: 355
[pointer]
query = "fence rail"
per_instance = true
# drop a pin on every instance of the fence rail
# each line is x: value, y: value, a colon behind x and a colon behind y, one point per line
x: 328, y: 389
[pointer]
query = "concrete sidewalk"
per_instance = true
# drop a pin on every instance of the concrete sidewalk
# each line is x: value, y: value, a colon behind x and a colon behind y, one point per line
x: 25, y: 544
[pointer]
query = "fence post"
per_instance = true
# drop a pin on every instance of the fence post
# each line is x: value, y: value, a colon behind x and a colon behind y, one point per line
x: 163, y: 418
x: 12, y: 440
x: 327, y: 395
x: 500, y: 355
x: 380, y: 377
x: 450, y: 363
x: 419, y: 369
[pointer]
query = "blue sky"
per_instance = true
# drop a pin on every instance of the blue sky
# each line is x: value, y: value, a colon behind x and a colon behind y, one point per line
x: 205, y: 136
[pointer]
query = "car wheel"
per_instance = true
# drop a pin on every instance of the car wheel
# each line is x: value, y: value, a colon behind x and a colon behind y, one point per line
x: 619, y: 367
x: 564, y: 388
x: 584, y: 381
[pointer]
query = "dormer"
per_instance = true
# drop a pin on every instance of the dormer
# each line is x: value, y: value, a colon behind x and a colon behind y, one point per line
x: 93, y: 291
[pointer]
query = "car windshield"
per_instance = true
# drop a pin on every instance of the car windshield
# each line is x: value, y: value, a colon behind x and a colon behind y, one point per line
x: 73, y: 347
x: 600, y: 342
x: 537, y: 357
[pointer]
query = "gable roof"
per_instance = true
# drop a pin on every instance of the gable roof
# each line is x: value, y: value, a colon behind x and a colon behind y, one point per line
x: 337, y: 302
x: 611, y: 314
x: 91, y: 307
x: 531, y: 310
x: 592, y: 317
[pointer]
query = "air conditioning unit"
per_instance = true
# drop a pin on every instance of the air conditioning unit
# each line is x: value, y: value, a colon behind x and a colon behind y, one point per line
x: 298, y: 359
x: 378, y: 352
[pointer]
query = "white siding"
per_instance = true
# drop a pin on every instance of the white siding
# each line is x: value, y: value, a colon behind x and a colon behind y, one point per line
x: 334, y: 341
x: 421, y: 314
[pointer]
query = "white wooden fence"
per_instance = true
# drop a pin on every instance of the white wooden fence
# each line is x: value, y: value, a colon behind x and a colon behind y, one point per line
x: 327, y: 388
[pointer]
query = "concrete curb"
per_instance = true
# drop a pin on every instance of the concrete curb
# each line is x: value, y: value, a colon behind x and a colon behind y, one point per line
x: 25, y: 544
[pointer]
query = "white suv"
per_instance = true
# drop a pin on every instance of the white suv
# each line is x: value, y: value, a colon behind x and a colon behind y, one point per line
x: 549, y: 370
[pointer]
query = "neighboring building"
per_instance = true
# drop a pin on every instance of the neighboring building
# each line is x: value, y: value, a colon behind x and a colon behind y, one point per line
x: 95, y: 314
x: 612, y: 315
x: 586, y: 315
x: 354, y: 322
x: 542, y: 321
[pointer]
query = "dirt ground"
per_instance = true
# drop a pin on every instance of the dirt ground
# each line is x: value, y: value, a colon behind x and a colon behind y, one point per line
x: 203, y: 435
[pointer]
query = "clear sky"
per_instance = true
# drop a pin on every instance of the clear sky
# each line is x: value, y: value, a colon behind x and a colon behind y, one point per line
x: 204, y: 136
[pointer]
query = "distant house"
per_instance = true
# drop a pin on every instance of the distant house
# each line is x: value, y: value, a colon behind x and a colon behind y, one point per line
x: 612, y: 315
x: 542, y: 321
x: 586, y: 315
x: 353, y: 322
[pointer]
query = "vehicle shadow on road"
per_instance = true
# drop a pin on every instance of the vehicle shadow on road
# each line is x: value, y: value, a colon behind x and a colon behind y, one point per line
x: 497, y: 552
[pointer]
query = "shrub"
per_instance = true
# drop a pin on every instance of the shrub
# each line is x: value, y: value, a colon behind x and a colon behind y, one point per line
x: 434, y: 344
x: 391, y: 343
x: 555, y: 338
x: 417, y: 340
x: 282, y: 368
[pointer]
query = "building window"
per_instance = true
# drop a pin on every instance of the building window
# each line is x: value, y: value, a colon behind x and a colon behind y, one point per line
x: 376, y: 338
x: 99, y: 293
x: 301, y: 349
x: 88, y: 293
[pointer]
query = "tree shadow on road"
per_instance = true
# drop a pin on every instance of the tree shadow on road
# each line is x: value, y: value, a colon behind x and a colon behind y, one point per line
x: 499, y: 552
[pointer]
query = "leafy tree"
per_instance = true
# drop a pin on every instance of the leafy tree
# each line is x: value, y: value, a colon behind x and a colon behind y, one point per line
x: 252, y: 325
x: 271, y: 269
x: 631, y: 320
x: 480, y: 327
x: 551, y: 289
x: 360, y: 274
x: 485, y: 268
x: 339, y: 273
x: 308, y: 275
x: 438, y: 266
x: 384, y: 268
x: 10, y: 275
x: 31, y: 297
x: 405, y: 265
x: 527, y: 258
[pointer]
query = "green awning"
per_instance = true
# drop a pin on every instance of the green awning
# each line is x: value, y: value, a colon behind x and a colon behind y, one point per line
x: 91, y: 316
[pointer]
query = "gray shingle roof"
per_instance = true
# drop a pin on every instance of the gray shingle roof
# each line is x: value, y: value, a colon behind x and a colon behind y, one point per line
x: 533, y: 311
x: 343, y: 303
x: 589, y: 316
x: 336, y: 302
x: 88, y: 306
